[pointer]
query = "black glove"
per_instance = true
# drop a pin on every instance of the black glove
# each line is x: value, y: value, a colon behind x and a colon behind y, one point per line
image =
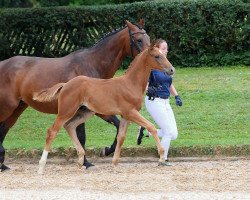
x: 151, y: 92
x: 178, y: 101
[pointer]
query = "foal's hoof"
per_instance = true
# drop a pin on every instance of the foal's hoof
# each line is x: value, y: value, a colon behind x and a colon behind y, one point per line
x: 114, y: 163
x: 88, y: 164
x: 3, y: 167
x: 40, y: 171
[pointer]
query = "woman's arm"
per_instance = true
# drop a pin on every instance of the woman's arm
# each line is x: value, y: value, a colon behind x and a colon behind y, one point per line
x: 173, y: 90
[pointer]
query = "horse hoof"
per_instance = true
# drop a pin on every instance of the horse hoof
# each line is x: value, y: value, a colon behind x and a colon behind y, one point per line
x: 88, y: 165
x: 3, y: 167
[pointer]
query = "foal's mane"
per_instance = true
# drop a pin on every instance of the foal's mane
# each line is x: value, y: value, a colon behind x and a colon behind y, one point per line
x: 132, y: 63
x: 152, y: 45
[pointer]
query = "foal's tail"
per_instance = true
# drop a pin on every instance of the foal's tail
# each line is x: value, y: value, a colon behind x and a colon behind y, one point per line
x: 49, y: 94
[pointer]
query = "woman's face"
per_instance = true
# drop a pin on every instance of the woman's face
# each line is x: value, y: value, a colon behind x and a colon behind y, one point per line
x: 164, y: 48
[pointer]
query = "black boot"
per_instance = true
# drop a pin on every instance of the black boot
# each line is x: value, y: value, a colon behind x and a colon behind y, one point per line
x: 141, y: 134
x: 3, y: 167
x: 86, y: 163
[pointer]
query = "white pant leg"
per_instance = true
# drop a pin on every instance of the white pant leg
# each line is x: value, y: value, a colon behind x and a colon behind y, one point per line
x: 163, y: 115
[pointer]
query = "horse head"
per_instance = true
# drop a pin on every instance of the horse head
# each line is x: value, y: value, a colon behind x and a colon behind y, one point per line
x: 157, y: 60
x: 138, y: 38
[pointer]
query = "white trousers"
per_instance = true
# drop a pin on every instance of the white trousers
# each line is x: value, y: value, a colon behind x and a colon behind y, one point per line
x: 163, y: 115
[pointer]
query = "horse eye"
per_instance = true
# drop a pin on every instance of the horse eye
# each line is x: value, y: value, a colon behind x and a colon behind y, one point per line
x: 157, y: 56
x: 139, y: 40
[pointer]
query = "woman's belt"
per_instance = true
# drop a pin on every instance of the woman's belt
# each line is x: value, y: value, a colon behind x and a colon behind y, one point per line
x: 160, y: 97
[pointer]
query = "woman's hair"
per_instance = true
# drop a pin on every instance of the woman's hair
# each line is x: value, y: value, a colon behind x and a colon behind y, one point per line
x: 158, y: 42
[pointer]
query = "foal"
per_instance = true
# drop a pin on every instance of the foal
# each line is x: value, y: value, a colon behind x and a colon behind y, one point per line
x: 122, y: 95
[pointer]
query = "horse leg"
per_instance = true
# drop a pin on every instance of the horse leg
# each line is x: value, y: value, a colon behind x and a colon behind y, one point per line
x: 3, y: 133
x: 80, y: 129
x: 71, y: 126
x: 136, y: 117
x: 51, y: 134
x: 120, y: 139
x: 116, y: 122
x: 4, y: 128
x: 81, y: 135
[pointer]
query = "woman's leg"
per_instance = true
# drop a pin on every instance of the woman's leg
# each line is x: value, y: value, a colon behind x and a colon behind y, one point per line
x: 163, y: 115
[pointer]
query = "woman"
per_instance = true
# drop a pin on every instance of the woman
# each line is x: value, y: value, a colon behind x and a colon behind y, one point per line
x: 157, y: 104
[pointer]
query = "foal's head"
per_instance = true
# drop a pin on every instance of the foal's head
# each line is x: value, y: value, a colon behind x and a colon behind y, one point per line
x: 157, y: 60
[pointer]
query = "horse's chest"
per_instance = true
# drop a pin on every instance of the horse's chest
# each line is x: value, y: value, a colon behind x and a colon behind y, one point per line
x: 136, y: 102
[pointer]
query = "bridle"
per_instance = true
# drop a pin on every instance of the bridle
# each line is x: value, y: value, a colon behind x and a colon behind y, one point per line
x: 133, y: 43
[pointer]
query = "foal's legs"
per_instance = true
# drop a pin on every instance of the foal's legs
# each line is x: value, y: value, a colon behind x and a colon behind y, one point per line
x: 112, y: 119
x: 70, y: 126
x: 120, y: 139
x: 51, y: 134
x: 116, y: 122
x: 136, y: 117
x: 4, y: 128
x: 80, y: 117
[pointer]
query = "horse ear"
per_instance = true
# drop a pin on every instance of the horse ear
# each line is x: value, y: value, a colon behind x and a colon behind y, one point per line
x: 142, y: 23
x: 130, y: 26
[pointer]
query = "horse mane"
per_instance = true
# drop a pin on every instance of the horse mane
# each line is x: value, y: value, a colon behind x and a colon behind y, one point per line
x: 114, y: 31
x: 106, y: 35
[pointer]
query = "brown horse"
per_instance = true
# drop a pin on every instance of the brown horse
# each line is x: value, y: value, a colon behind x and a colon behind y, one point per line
x: 21, y: 76
x: 122, y: 96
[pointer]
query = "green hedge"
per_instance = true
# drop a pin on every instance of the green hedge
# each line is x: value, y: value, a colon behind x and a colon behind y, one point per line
x: 199, y: 32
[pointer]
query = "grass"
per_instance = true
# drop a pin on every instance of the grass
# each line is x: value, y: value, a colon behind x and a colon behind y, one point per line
x: 215, y: 111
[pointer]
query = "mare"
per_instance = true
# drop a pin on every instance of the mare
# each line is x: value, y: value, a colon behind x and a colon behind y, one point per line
x: 116, y: 96
x: 22, y: 76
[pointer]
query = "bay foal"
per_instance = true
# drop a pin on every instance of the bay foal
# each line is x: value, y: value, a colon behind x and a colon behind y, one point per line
x: 122, y: 95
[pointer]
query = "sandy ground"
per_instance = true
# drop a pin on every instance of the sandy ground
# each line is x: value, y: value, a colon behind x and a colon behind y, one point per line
x: 133, y: 178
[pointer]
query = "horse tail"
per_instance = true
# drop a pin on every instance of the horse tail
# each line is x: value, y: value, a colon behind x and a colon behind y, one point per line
x: 49, y: 94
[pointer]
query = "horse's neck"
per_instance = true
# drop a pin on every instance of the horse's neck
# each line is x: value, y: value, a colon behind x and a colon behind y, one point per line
x: 109, y: 54
x: 138, y: 74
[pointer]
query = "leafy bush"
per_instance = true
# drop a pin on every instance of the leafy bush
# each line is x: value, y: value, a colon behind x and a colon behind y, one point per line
x: 199, y: 32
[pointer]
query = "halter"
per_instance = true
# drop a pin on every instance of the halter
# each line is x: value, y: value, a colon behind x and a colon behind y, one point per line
x: 133, y: 42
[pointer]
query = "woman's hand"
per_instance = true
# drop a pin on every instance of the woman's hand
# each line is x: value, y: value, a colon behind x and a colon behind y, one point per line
x: 178, y: 101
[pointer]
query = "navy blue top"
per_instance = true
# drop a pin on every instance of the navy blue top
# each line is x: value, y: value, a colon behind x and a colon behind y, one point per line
x: 162, y: 81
